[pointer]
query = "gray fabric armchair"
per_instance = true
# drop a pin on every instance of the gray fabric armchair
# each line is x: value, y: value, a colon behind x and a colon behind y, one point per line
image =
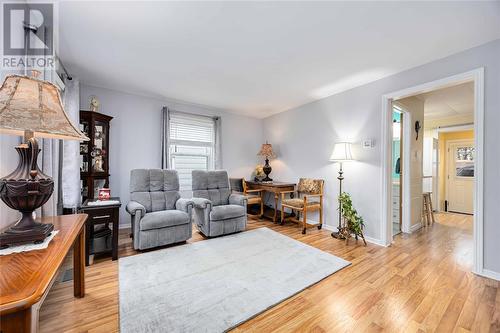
x: 158, y: 213
x: 217, y: 211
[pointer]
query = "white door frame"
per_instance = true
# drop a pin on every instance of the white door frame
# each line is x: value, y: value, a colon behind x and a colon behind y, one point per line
x: 406, y: 176
x: 477, y: 76
x: 447, y: 164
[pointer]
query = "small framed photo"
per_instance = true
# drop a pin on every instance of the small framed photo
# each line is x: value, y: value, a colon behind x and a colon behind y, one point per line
x: 84, y: 148
x: 104, y: 194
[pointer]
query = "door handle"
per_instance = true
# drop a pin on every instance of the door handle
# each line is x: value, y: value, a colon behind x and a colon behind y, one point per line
x: 101, y: 217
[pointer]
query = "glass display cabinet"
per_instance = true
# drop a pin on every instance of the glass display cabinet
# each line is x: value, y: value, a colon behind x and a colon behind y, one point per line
x: 94, y: 154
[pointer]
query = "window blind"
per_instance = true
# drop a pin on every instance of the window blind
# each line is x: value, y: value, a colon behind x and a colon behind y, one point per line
x: 191, y: 140
x: 189, y: 130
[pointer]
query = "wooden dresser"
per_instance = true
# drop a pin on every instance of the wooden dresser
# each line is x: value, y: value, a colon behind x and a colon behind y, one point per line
x: 26, y: 277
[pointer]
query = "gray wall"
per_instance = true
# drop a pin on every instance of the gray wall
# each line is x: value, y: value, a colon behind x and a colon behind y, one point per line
x: 305, y: 138
x: 135, y: 136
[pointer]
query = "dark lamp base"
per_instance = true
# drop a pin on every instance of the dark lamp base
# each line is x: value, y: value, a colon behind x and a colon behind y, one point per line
x: 25, y: 232
x: 25, y: 190
x: 267, y: 170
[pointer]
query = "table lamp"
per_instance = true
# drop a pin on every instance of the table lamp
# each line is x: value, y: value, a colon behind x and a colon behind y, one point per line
x: 267, y: 151
x: 31, y: 108
x: 341, y: 153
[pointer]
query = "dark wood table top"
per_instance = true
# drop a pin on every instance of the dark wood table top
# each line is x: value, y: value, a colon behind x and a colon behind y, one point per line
x: 273, y: 184
x: 25, y: 276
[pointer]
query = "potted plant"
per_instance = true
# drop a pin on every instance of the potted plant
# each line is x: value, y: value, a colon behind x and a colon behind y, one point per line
x: 352, y: 222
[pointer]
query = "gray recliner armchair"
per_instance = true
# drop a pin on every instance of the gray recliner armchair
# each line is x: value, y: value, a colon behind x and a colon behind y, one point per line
x: 159, y: 215
x: 217, y: 211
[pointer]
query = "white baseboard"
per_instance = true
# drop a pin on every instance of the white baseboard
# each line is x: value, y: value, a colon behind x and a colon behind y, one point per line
x: 309, y: 221
x: 124, y: 226
x: 375, y: 241
x: 329, y: 227
x: 367, y: 239
x: 490, y: 274
x: 415, y: 227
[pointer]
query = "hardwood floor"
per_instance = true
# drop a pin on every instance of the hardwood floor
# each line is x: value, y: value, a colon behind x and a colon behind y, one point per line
x: 422, y: 283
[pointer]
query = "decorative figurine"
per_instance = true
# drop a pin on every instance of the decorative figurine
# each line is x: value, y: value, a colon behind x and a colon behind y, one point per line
x: 98, y: 164
x: 94, y: 104
x: 259, y: 173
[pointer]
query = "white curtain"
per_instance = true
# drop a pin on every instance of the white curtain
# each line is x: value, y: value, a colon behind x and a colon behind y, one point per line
x: 60, y: 159
x: 71, y: 195
x: 218, y: 143
x: 165, y: 137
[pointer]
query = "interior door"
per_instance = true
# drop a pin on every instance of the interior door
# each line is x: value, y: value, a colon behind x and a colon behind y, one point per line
x: 460, y: 177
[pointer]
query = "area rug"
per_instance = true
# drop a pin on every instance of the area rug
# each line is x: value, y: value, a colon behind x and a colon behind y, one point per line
x: 216, y: 284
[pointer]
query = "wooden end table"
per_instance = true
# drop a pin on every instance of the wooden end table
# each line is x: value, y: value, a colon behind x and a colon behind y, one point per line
x: 101, y: 214
x: 28, y: 276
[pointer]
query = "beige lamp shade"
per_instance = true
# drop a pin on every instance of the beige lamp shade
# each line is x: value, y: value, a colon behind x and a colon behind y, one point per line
x: 29, y: 104
x: 267, y: 151
x: 341, y: 152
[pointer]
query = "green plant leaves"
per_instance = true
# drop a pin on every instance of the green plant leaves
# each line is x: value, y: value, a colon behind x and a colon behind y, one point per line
x: 354, y: 220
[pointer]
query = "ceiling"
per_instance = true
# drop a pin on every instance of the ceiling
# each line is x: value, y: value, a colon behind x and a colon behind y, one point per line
x: 449, y: 102
x: 261, y: 58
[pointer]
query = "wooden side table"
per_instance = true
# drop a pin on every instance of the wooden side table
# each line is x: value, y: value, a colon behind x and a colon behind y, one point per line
x: 274, y: 187
x: 98, y: 215
x: 26, y: 277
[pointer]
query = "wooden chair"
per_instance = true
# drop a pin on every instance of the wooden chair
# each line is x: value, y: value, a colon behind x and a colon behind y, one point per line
x: 239, y: 185
x: 427, y: 210
x: 309, y: 198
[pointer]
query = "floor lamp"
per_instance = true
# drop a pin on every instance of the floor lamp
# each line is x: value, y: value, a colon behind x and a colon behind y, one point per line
x: 341, y: 153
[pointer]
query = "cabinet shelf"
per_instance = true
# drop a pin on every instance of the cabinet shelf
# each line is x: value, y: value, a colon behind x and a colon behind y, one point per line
x: 94, y: 154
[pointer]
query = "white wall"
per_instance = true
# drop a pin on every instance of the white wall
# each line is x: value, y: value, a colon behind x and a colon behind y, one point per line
x: 430, y: 165
x: 305, y: 138
x: 135, y: 136
x: 415, y: 110
x: 427, y: 160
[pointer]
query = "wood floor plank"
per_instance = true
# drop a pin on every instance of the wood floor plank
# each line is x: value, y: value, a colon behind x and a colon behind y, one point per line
x: 422, y: 283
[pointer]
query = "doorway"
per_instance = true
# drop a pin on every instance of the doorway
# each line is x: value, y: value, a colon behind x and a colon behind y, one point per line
x: 477, y: 79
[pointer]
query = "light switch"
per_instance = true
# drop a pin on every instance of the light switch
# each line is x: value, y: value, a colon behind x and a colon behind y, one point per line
x: 368, y: 143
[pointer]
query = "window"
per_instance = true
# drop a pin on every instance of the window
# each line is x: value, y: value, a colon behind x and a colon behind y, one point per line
x: 191, y: 139
x: 464, y: 161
